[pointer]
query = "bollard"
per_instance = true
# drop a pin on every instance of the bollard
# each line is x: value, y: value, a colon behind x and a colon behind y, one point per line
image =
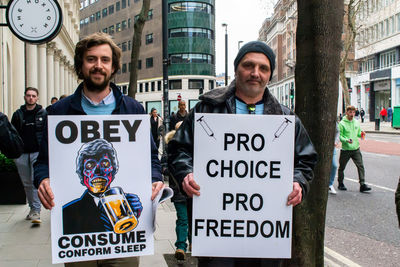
x: 377, y: 124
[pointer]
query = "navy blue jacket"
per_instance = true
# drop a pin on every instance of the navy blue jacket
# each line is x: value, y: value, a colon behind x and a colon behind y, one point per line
x: 71, y: 105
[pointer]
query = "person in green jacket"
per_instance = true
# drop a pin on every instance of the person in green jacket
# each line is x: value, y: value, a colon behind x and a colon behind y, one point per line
x: 350, y: 131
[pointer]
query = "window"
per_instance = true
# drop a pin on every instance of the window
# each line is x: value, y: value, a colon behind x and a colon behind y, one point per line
x: 98, y: 15
x: 149, y: 38
x: 149, y: 62
x: 118, y: 27
x: 104, y: 30
x: 129, y: 45
x: 139, y: 65
x: 191, y: 32
x: 129, y: 23
x: 175, y: 84
x: 210, y: 84
x: 136, y: 18
x: 118, y: 6
x: 387, y: 59
x: 141, y: 88
x: 91, y: 18
x: 196, y: 84
x: 150, y: 14
x: 111, y: 9
x: 398, y: 22
x: 129, y: 2
x: 123, y: 3
x: 191, y: 58
x: 158, y: 85
x: 191, y: 7
x: 124, y: 47
x: 124, y: 68
x: 146, y: 86
x: 111, y: 29
x: 153, y: 86
x: 104, y: 12
x: 124, y: 25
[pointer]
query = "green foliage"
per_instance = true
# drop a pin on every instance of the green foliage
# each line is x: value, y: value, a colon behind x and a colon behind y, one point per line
x: 6, y: 164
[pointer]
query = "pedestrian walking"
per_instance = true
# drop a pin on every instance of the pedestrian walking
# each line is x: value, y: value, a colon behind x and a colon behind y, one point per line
x: 182, y: 230
x: 383, y: 113
x: 180, y: 115
x: 350, y: 131
x: 389, y: 114
x: 334, y: 166
x: 29, y: 121
x: 97, y: 60
x: 357, y: 113
x: 247, y: 94
x: 362, y: 114
x: 155, y: 123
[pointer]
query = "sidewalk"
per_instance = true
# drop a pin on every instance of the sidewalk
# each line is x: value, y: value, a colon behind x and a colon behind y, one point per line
x: 385, y: 128
x: 25, y: 245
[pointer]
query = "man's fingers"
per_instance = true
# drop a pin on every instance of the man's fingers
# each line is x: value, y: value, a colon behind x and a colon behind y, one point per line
x: 45, y: 194
x: 156, y: 187
x: 190, y: 186
x: 295, y: 196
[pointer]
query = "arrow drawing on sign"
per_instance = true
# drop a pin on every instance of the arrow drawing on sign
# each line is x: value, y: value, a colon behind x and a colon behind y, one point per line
x: 205, y: 127
x: 281, y: 128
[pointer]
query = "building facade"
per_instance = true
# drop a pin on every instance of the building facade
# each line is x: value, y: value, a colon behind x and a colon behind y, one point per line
x: 279, y: 32
x: 191, y: 46
x: 48, y: 67
x: 377, y: 83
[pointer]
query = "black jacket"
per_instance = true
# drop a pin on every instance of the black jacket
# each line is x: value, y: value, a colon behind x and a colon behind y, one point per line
x: 222, y: 100
x: 71, y: 105
x: 40, y: 117
x: 11, y: 144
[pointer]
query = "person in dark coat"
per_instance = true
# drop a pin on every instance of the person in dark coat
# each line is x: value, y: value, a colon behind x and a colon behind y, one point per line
x: 247, y: 94
x: 11, y: 144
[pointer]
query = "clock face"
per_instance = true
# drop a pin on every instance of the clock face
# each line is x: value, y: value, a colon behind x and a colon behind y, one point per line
x: 34, y: 21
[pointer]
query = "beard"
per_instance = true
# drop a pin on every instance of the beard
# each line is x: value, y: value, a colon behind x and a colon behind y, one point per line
x: 93, y: 86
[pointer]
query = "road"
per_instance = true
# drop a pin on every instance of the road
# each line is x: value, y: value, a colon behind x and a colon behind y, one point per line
x: 363, y: 227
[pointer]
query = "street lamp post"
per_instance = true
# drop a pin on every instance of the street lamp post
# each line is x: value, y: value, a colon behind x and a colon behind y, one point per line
x: 239, y: 42
x: 226, y: 53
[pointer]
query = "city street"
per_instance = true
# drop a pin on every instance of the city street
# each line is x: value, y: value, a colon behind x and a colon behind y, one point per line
x: 363, y: 227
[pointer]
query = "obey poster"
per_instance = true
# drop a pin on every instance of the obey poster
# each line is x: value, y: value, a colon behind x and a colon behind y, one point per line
x: 245, y: 172
x: 100, y: 174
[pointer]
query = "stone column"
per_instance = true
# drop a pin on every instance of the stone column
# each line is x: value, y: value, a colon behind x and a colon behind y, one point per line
x: 50, y: 71
x: 66, y: 78
x: 62, y: 88
x: 31, y: 66
x: 42, y: 73
x: 17, y: 76
x: 57, y: 73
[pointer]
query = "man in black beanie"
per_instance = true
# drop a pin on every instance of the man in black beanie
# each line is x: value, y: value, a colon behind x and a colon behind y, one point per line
x: 247, y: 94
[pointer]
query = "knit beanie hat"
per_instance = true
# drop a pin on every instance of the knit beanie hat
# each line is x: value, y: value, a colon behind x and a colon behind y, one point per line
x: 258, y: 47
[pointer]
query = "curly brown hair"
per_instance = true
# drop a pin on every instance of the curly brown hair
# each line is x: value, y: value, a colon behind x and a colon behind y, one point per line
x: 90, y: 41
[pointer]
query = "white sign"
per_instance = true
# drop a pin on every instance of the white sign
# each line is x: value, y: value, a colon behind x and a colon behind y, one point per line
x: 244, y: 166
x: 100, y: 171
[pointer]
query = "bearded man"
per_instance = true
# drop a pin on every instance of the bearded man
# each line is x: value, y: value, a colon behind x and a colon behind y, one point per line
x: 96, y: 61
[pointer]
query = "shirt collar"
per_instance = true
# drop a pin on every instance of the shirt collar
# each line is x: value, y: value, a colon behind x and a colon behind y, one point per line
x: 109, y: 99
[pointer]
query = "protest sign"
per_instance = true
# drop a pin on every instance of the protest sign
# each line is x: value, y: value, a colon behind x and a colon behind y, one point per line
x: 244, y: 166
x: 100, y: 174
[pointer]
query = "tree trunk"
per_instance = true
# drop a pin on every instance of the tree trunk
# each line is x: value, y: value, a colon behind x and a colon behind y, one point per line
x: 318, y: 45
x: 136, y: 43
x: 350, y: 29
